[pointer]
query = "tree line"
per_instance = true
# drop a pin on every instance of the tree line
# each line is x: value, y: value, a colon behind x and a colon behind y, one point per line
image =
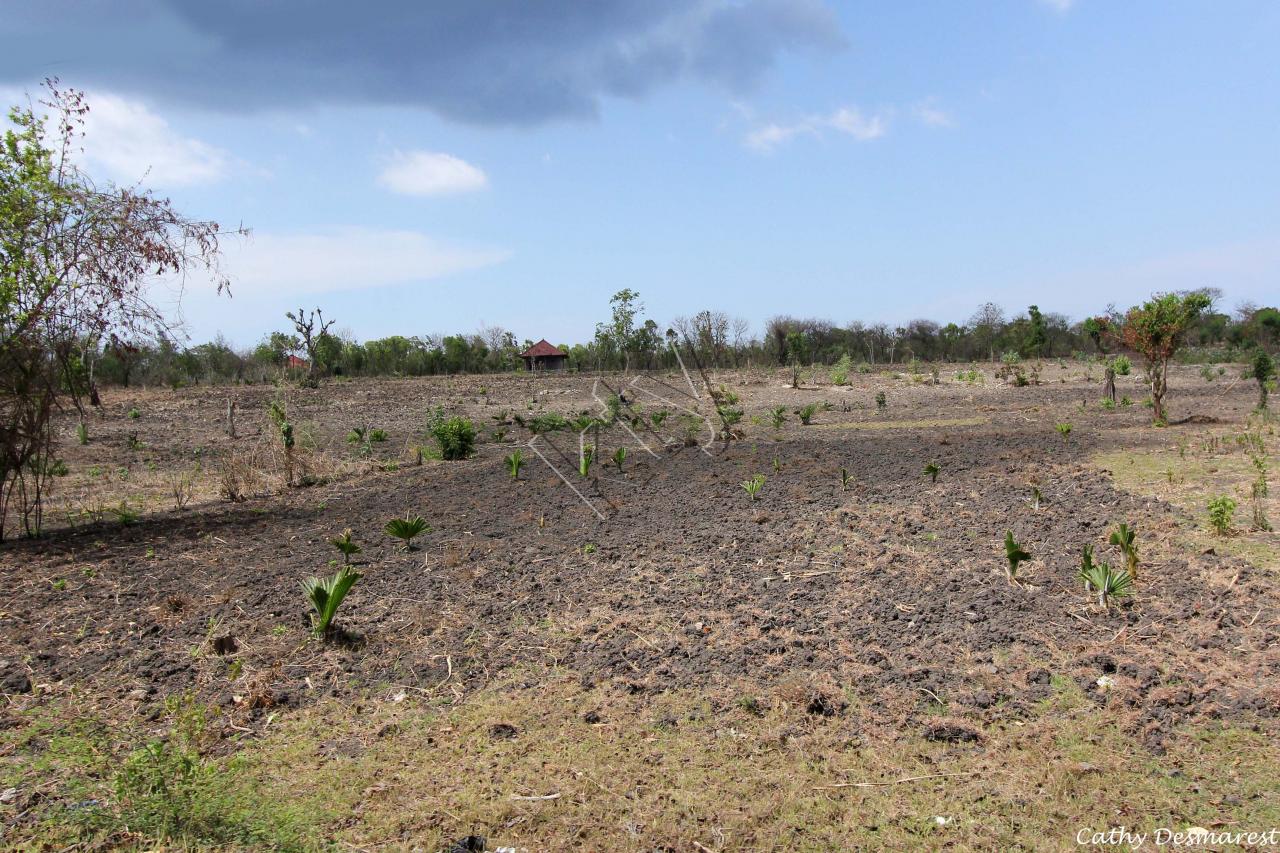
x: 628, y: 341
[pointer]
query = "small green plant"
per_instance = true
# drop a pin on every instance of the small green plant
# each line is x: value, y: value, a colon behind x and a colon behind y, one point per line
x: 807, y: 412
x: 82, y: 433
x: 346, y: 545
x: 1108, y: 404
x: 1064, y: 430
x: 584, y: 461
x: 134, y: 414
x: 777, y: 464
x: 1102, y: 580
x: 1036, y: 498
x: 844, y: 479
x: 1123, y: 538
x: 1258, y: 490
x: 882, y: 402
x: 125, y: 514
x: 514, y: 460
x: 589, y: 548
x: 778, y: 417
x: 619, y: 457
x: 1125, y: 402
x: 753, y: 486
x: 59, y: 584
x: 1222, y: 511
x: 455, y: 436
x: 931, y: 470
x: 1013, y: 555
x: 133, y: 442
x: 326, y: 595
x: 659, y: 416
x: 1121, y: 365
x: 406, y: 529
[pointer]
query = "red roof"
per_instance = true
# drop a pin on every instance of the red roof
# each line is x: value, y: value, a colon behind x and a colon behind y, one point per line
x: 542, y: 349
x: 294, y: 361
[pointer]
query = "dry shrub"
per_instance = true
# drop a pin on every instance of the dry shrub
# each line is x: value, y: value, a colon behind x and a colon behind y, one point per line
x: 239, y: 477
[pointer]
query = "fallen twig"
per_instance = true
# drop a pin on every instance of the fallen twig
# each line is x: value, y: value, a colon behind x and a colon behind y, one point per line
x: 894, y: 781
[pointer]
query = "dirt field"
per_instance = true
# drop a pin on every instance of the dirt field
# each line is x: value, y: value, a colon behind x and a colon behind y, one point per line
x: 833, y: 665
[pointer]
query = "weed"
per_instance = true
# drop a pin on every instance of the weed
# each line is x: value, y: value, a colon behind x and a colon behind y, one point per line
x: 1013, y: 555
x: 406, y: 529
x: 134, y: 414
x: 659, y: 416
x: 1222, y: 511
x: 753, y: 486
x: 133, y: 442
x: 326, y: 596
x: 124, y: 513
x: 59, y: 584
x: 589, y: 548
x: 1108, y: 404
x: 346, y: 545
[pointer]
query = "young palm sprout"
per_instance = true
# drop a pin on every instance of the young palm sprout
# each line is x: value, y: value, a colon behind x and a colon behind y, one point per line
x: 778, y: 416
x: 513, y: 461
x: 346, y: 545
x: 326, y: 596
x: 1122, y: 537
x: 584, y: 461
x: 1013, y: 554
x: 1106, y: 582
x: 1064, y: 430
x: 753, y: 486
x: 931, y: 471
x: 844, y: 479
x: 1086, y: 568
x: 406, y: 528
x: 619, y: 456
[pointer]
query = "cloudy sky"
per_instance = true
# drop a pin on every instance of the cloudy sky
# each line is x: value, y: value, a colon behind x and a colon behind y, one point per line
x: 427, y: 167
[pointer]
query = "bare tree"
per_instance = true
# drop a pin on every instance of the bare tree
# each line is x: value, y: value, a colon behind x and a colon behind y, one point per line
x: 306, y: 326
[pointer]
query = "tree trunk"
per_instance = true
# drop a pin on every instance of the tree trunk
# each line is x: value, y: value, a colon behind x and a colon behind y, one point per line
x: 1159, y: 384
x: 1109, y: 389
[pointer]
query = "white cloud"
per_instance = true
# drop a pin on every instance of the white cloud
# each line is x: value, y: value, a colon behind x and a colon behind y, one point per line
x: 849, y: 121
x: 430, y: 173
x: 131, y: 143
x: 928, y: 113
x: 344, y: 259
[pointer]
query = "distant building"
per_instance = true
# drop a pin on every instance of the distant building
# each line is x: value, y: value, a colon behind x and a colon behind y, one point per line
x: 543, y: 356
x: 293, y: 361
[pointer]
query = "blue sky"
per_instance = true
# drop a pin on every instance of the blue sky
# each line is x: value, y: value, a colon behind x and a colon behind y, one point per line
x: 417, y: 171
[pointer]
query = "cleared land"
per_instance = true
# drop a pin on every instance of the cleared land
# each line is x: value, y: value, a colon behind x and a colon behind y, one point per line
x: 834, y: 665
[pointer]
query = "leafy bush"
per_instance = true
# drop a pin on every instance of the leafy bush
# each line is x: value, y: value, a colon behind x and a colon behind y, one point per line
x: 455, y: 436
x: 1121, y: 365
x: 807, y: 412
x: 840, y: 370
x: 406, y: 528
x: 1222, y: 511
x: 548, y: 422
x: 326, y: 596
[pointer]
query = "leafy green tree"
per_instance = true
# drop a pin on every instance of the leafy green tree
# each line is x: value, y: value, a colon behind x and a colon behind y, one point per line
x: 1156, y: 330
x: 75, y: 260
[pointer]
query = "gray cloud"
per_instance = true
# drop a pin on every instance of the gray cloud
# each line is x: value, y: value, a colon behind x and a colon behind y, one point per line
x: 478, y: 61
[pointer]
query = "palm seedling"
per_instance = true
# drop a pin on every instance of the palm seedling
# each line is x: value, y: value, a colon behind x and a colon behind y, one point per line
x: 1108, y: 583
x: 777, y: 464
x: 584, y: 461
x: 1036, y: 498
x: 844, y: 479
x: 326, y: 595
x: 753, y: 486
x: 778, y: 417
x: 881, y: 402
x: 406, y: 528
x: 1064, y: 430
x: 1122, y: 537
x: 1013, y: 554
x: 513, y: 461
x: 931, y: 471
x: 619, y: 456
x: 1086, y: 568
x: 346, y: 545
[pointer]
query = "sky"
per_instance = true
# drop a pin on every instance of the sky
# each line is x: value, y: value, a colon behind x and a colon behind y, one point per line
x: 418, y: 168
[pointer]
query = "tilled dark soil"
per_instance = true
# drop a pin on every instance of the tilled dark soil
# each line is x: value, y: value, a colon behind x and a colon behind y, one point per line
x: 889, y: 593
